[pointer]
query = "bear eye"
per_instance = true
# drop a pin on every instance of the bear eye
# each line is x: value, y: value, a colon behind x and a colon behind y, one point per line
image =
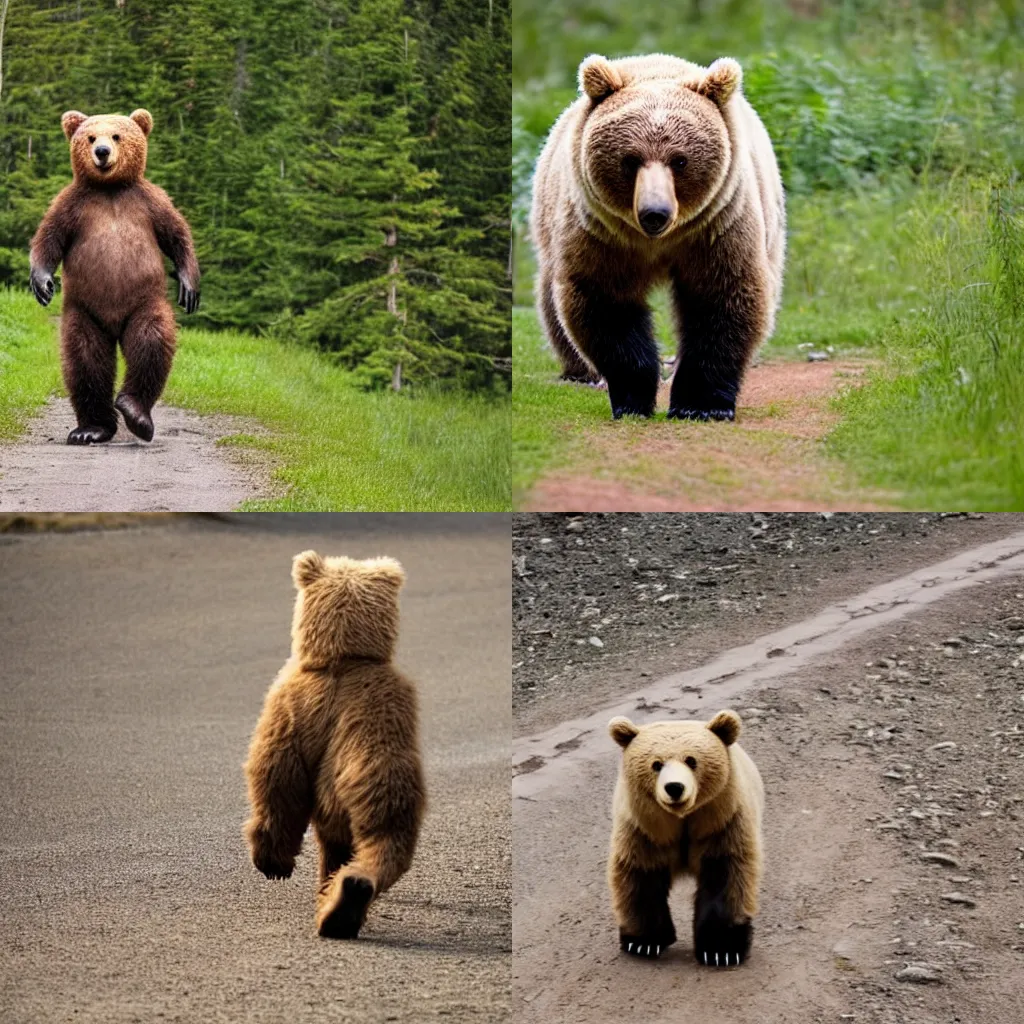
x: 677, y: 163
x: 92, y: 138
x: 691, y: 763
x: 117, y: 138
x: 657, y: 766
x: 631, y: 164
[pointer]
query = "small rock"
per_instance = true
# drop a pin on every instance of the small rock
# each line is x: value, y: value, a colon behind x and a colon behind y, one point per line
x: 596, y: 641
x: 953, y: 641
x: 920, y: 974
x: 817, y: 357
x: 892, y: 775
x: 667, y: 597
x: 959, y: 898
x: 934, y: 857
x: 574, y: 526
x: 944, y: 745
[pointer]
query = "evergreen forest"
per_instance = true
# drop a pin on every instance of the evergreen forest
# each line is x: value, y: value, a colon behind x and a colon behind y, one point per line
x: 344, y: 164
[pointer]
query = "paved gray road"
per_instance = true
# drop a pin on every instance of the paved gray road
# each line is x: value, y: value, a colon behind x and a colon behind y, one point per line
x: 132, y: 667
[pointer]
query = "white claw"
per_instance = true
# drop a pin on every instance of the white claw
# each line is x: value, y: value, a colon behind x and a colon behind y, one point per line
x: 716, y: 959
x: 705, y: 959
x: 629, y: 948
x: 657, y: 951
x: 647, y: 951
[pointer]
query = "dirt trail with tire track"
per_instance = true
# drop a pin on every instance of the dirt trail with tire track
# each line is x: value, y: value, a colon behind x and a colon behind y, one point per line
x: 889, y: 730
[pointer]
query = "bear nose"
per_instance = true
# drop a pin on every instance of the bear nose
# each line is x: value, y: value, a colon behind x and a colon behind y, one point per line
x: 654, y: 220
x: 102, y: 152
x: 675, y: 790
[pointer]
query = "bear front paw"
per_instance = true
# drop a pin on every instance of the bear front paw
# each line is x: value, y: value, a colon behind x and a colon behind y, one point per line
x: 721, y: 944
x: 272, y: 867
x: 650, y: 947
x: 675, y: 413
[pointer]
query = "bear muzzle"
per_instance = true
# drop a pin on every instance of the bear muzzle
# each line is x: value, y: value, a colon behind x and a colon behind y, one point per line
x: 654, y: 199
x: 103, y: 155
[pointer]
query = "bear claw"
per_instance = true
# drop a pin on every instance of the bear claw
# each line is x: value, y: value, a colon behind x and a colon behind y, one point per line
x: 346, y: 917
x: 90, y: 435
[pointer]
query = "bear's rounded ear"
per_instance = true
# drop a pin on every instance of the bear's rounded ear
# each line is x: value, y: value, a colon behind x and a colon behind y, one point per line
x: 385, y: 570
x: 70, y: 122
x: 306, y: 568
x: 598, y: 78
x: 622, y: 730
x: 144, y: 119
x: 721, y: 80
x: 726, y: 726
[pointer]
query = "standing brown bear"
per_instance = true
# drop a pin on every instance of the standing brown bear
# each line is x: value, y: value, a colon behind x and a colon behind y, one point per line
x: 109, y: 228
x: 337, y: 742
x: 660, y: 173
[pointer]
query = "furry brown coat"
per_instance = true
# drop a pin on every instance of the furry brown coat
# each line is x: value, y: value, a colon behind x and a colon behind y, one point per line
x: 660, y: 172
x: 337, y: 743
x: 111, y: 229
x: 688, y: 801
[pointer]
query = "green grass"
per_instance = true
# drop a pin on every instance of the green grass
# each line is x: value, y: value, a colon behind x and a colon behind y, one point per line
x: 944, y: 419
x: 29, y: 367
x: 335, y: 447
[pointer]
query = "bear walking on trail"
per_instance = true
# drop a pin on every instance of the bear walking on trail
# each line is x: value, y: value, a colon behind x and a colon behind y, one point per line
x: 337, y: 742
x: 660, y: 173
x: 109, y: 227
x: 688, y: 801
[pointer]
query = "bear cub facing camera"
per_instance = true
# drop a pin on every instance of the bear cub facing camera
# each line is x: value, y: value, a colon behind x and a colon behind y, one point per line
x: 337, y: 742
x: 660, y: 173
x: 688, y: 801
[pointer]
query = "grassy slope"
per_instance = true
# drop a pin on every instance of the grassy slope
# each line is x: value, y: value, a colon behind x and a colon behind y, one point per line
x: 336, y: 448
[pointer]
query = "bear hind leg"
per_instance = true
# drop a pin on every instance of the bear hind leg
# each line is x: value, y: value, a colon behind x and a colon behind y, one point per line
x: 641, y: 904
x: 148, y: 346
x: 721, y: 936
x: 335, y: 842
x: 574, y: 367
x: 89, y: 365
x: 378, y: 863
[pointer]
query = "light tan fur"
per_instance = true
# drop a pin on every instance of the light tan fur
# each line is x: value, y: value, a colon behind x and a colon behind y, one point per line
x: 719, y: 816
x: 337, y: 742
x: 657, y: 131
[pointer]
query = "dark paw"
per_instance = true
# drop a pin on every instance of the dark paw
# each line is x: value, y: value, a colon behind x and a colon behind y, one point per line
x: 720, y: 944
x: 701, y: 414
x: 592, y: 380
x: 136, y: 418
x: 618, y: 411
x: 273, y: 869
x: 188, y: 297
x: 650, y: 947
x: 41, y: 284
x: 90, y: 435
x: 348, y: 915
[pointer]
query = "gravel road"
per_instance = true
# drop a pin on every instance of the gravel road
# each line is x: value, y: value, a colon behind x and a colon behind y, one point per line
x: 894, y: 882
x: 134, y: 666
x: 603, y: 601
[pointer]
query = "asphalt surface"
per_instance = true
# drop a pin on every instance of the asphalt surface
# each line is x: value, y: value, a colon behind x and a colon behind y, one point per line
x: 133, y: 667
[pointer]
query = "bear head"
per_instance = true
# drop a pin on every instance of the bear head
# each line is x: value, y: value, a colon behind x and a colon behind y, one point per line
x: 655, y: 145
x: 345, y: 608
x: 678, y: 766
x: 108, y: 149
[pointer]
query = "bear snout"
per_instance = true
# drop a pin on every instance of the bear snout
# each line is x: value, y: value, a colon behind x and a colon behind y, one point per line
x: 101, y: 154
x: 675, y: 790
x: 654, y: 220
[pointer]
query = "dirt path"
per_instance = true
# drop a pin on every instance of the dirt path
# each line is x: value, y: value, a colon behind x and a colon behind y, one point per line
x: 181, y: 470
x: 887, y: 728
x: 771, y: 458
